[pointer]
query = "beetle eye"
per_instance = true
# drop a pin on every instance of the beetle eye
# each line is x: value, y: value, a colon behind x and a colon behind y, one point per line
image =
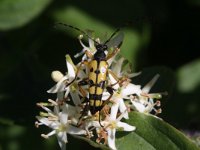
x: 105, y: 47
x: 98, y: 47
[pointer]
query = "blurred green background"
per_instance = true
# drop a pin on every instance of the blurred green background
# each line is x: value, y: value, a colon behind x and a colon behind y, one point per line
x: 163, y: 37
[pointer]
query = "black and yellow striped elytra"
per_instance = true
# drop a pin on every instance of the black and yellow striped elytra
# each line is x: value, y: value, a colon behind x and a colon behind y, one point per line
x: 97, y: 77
x: 98, y: 70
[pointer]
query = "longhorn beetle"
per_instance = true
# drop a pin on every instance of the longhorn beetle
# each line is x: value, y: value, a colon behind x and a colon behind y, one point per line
x: 98, y: 71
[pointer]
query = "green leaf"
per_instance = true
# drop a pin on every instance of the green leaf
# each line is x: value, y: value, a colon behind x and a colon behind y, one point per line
x: 153, y: 133
x: 188, y: 77
x: 92, y: 143
x: 16, y: 13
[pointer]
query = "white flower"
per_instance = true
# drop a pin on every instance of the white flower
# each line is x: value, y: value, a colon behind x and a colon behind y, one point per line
x: 58, y: 121
x: 143, y: 101
x: 63, y: 82
x: 121, y: 71
x: 111, y: 124
x: 67, y: 119
x: 91, y: 48
x: 123, y: 93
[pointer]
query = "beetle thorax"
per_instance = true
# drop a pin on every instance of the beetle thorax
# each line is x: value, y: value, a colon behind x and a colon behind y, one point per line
x: 100, y: 54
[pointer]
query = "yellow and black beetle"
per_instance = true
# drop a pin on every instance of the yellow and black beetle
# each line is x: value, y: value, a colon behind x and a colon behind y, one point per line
x: 98, y: 70
x: 97, y: 77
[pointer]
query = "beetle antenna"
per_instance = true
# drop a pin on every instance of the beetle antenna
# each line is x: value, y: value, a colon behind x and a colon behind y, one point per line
x: 77, y: 29
x: 117, y: 30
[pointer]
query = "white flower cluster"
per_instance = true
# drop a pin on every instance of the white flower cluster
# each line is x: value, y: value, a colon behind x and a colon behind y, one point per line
x: 70, y: 113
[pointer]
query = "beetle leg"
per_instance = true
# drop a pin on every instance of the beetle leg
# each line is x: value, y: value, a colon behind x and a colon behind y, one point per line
x: 105, y: 108
x: 100, y: 120
x: 85, y: 109
x: 111, y: 92
x: 84, y: 94
x: 80, y: 84
x: 115, y: 51
x: 119, y: 81
x: 115, y: 77
x: 89, y: 54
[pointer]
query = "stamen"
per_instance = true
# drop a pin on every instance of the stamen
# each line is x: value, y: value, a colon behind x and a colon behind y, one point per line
x: 158, y: 103
x: 131, y: 75
x: 82, y: 44
x: 97, y: 40
x: 80, y: 37
x: 159, y: 111
x: 53, y: 102
x: 79, y: 54
x: 44, y: 114
x: 44, y: 136
x: 53, y: 118
x: 37, y: 124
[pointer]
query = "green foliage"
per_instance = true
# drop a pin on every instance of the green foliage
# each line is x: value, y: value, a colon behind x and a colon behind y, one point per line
x: 189, y: 76
x: 16, y: 13
x: 151, y: 133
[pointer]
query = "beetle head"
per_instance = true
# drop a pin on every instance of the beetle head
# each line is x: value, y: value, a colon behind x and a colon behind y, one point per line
x: 101, y: 47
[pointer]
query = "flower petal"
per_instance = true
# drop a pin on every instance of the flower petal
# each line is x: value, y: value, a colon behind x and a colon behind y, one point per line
x: 125, y: 126
x: 138, y: 106
x: 75, y: 130
x: 150, y: 84
x: 71, y: 72
x: 75, y: 97
x: 118, y: 66
x: 62, y: 140
x: 82, y: 74
x: 47, y: 122
x: 64, y: 115
x: 111, y: 138
x: 113, y: 81
x: 56, y: 110
x: 67, y: 89
x: 131, y: 89
x: 59, y: 87
x: 91, y: 43
x: 72, y: 110
x: 105, y: 95
x: 60, y: 96
x: 123, y: 109
x: 114, y: 110
x: 131, y: 75
x: 94, y: 124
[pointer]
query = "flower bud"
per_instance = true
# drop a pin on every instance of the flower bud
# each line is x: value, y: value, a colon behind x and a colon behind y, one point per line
x: 56, y: 75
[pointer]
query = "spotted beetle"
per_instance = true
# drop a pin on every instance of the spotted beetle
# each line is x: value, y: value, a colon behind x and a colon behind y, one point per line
x: 98, y: 70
